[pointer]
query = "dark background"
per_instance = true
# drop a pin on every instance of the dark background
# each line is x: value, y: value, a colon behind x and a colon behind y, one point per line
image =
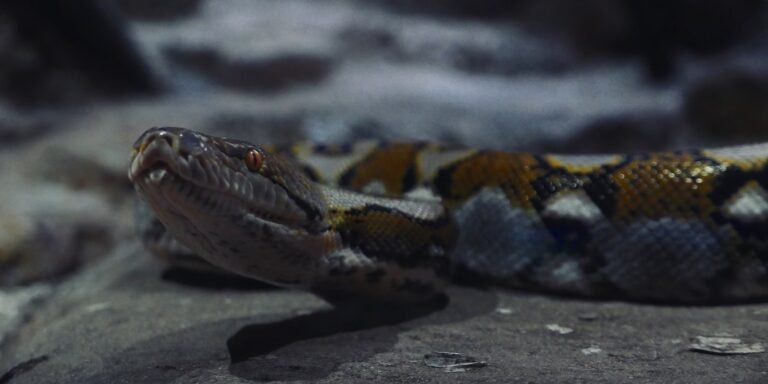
x: 593, y: 75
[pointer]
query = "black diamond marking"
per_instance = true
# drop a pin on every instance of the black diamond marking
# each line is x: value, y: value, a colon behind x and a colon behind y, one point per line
x: 443, y: 181
x: 572, y: 235
x: 346, y: 178
x: 409, y: 178
x: 334, y: 149
x: 309, y: 173
x: 729, y: 183
x: 601, y: 188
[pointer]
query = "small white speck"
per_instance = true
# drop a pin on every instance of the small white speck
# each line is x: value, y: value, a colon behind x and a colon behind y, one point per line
x: 157, y: 175
x: 302, y: 312
x: 375, y: 187
x: 592, y: 350
x: 559, y: 329
x: 505, y: 311
x: 97, y: 307
x: 422, y: 193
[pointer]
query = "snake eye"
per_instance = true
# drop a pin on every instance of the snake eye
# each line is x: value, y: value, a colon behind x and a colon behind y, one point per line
x: 254, y: 160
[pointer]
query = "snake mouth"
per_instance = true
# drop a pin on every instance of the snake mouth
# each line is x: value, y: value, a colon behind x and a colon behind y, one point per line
x: 155, y: 155
x: 197, y: 178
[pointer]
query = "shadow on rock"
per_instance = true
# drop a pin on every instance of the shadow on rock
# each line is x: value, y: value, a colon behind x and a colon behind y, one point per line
x: 312, y: 346
x: 213, y: 280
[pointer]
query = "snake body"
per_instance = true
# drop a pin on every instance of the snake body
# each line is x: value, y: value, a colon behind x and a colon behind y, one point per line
x: 394, y: 221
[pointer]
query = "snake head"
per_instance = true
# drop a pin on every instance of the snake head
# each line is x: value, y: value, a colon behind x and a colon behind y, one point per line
x: 237, y: 205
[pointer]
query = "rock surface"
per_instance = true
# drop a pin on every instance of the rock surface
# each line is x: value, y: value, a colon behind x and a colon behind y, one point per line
x: 93, y: 306
x: 121, y: 322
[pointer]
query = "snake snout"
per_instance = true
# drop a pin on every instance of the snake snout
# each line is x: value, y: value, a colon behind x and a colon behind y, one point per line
x: 164, y: 134
x: 172, y: 140
x: 156, y: 148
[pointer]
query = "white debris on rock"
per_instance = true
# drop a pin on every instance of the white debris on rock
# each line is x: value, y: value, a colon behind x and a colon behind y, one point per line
x: 592, y: 350
x: 721, y: 345
x: 14, y: 303
x: 559, y: 329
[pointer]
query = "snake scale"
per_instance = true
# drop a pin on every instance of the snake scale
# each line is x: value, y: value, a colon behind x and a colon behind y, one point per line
x: 395, y: 221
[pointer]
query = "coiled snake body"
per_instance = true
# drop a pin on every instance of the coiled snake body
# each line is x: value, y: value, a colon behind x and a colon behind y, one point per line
x: 393, y: 221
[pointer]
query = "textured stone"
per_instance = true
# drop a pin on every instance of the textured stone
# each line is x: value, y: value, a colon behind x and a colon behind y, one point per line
x: 121, y: 322
x: 270, y: 74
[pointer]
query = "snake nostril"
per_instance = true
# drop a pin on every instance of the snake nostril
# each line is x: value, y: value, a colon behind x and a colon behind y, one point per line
x: 167, y: 137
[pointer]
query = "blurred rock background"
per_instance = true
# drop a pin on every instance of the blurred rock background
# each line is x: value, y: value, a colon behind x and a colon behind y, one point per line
x: 79, y: 81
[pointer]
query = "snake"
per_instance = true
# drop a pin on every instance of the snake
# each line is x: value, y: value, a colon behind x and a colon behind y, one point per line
x: 398, y: 221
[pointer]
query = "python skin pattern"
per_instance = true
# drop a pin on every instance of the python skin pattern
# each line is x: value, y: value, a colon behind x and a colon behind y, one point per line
x: 395, y: 221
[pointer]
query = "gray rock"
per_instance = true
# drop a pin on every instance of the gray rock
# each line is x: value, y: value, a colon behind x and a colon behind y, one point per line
x: 16, y: 304
x: 120, y: 322
x: 17, y: 128
x: 269, y: 75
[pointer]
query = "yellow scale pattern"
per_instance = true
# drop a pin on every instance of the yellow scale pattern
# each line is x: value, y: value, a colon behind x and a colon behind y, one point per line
x: 628, y: 189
